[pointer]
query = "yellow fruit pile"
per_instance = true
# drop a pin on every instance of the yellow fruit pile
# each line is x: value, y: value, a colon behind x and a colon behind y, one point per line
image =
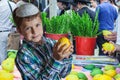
x: 102, y: 77
x: 109, y: 73
x: 74, y: 75
x: 108, y: 46
x: 8, y: 67
x: 110, y: 70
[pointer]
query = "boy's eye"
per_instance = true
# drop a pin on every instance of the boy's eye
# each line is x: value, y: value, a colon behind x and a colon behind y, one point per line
x: 38, y: 25
x: 28, y: 28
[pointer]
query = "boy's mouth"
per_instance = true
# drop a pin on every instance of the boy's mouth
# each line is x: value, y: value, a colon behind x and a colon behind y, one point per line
x: 36, y: 36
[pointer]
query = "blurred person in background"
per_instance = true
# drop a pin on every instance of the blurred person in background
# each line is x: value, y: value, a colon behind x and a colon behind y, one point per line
x: 94, y: 4
x: 63, y: 5
x: 19, y: 2
x: 118, y: 3
x: 114, y: 38
x: 83, y: 7
x: 74, y: 6
x: 114, y: 4
x: 39, y: 3
x: 107, y: 16
x: 6, y: 8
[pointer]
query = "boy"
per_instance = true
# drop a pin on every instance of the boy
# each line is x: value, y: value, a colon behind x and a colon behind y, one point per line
x: 38, y: 58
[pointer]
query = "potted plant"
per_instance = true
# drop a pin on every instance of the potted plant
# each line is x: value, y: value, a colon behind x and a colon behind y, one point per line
x: 57, y: 26
x: 85, y: 32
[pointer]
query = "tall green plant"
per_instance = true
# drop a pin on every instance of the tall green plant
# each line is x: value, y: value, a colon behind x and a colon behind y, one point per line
x: 43, y: 16
x: 57, y: 24
x: 83, y: 25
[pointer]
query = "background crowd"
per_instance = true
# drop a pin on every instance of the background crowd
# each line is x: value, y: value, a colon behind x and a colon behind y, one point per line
x: 32, y: 58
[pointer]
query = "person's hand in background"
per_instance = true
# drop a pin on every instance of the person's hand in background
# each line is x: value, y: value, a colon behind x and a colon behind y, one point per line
x: 109, y: 48
x: 111, y: 37
x: 115, y: 47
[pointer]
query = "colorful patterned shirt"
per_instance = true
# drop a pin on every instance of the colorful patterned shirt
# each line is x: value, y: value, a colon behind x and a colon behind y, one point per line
x: 35, y: 62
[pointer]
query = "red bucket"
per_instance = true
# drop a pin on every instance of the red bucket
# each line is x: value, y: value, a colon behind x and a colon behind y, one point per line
x: 55, y: 36
x: 85, y: 45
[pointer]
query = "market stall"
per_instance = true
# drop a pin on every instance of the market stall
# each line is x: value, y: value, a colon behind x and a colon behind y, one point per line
x: 83, y: 68
x: 94, y: 68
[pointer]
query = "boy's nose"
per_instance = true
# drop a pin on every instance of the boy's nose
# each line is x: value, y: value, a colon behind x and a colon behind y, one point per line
x: 33, y: 30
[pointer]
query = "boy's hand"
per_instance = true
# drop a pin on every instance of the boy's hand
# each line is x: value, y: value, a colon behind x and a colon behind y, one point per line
x: 61, y: 51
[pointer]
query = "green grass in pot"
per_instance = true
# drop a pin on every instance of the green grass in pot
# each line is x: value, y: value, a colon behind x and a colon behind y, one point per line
x: 83, y: 25
x: 57, y: 24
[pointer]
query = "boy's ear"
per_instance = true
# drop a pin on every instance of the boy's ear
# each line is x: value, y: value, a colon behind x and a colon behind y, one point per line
x: 19, y: 30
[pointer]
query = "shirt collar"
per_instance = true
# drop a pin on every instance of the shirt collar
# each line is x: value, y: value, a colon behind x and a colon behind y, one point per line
x: 33, y: 43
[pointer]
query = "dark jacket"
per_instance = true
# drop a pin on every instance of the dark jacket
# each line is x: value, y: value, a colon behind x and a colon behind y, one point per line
x: 87, y: 10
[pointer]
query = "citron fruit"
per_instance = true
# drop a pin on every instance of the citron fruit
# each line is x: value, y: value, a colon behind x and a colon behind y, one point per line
x: 117, y: 76
x: 89, y: 67
x: 106, y: 32
x: 111, y: 72
x: 73, y: 72
x: 4, y: 75
x: 109, y: 67
x: 82, y: 76
x: 64, y: 40
x: 108, y: 46
x: 97, y: 76
x: 8, y: 64
x: 72, y: 77
x: 96, y: 71
x: 117, y: 79
x: 105, y: 77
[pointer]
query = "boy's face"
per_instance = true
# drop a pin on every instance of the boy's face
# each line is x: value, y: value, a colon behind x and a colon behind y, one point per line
x: 32, y: 29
